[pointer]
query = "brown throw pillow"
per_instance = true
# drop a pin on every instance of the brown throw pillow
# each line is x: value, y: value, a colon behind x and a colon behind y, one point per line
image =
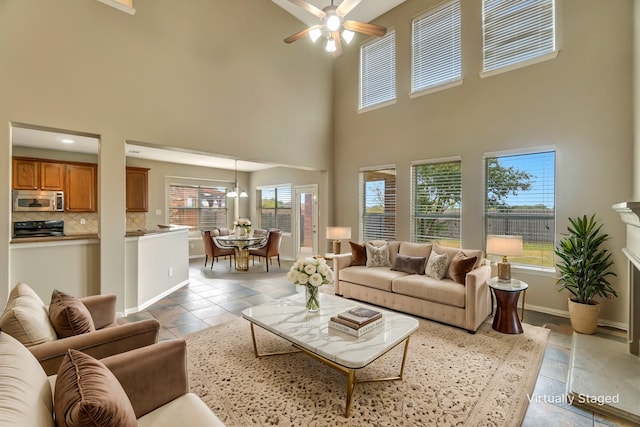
x: 460, y: 265
x: 358, y: 254
x: 88, y: 394
x: 69, y: 316
x: 409, y: 264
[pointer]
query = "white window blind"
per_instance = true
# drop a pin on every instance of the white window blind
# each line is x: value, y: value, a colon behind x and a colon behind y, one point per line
x: 274, y: 207
x: 435, y: 48
x: 520, y: 201
x: 437, y: 198
x: 203, y: 208
x: 378, y: 71
x: 517, y: 31
x: 377, y: 197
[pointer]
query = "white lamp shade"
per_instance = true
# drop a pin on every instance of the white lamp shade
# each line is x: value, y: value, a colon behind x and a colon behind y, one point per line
x: 338, y: 233
x: 504, y: 245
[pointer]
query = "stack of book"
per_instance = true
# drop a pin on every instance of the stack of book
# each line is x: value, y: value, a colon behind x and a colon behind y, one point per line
x: 356, y: 321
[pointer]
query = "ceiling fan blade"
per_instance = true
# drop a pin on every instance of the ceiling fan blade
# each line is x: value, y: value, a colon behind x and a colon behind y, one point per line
x: 346, y: 6
x: 336, y: 37
x: 309, y: 8
x: 300, y: 34
x: 361, y: 27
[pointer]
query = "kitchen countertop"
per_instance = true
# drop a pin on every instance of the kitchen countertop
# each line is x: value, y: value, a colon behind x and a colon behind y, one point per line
x: 54, y: 238
x: 163, y: 229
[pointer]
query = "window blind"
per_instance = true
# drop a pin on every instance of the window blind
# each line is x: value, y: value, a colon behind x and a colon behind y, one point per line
x: 515, y: 31
x: 437, y: 197
x: 275, y: 207
x: 435, y: 48
x: 377, y: 197
x: 203, y: 208
x: 520, y: 201
x: 378, y: 71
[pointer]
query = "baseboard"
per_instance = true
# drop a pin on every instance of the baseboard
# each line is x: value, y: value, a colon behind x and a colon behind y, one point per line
x: 155, y: 299
x: 565, y: 314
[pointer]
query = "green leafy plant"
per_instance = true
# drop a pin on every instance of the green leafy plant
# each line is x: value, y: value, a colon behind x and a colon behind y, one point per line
x: 584, y: 265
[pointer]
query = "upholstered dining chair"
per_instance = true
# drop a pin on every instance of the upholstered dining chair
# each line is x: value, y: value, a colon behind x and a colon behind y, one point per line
x: 212, y: 250
x: 270, y: 249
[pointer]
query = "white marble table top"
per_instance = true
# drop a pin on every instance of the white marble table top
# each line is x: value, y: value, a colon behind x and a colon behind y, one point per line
x: 289, y: 319
x: 510, y: 285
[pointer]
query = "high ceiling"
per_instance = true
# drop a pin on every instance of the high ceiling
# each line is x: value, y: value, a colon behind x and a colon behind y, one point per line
x: 365, y: 11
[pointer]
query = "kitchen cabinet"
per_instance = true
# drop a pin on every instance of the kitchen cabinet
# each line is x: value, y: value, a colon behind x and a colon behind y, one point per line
x: 137, y: 189
x: 33, y: 174
x: 81, y: 187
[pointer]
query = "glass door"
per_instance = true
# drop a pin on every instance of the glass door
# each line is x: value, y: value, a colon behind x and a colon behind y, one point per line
x: 306, y: 236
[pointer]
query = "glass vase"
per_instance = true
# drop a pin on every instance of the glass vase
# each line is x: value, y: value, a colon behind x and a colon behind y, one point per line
x: 312, y: 298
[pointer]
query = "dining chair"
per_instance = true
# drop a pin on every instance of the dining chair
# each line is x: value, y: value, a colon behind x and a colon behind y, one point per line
x: 212, y: 250
x: 270, y: 249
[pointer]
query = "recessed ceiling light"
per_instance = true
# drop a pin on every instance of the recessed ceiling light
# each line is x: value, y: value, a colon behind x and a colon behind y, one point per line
x: 68, y: 141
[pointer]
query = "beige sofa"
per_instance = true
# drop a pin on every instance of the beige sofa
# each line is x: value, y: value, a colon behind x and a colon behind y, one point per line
x: 463, y: 305
x: 154, y: 379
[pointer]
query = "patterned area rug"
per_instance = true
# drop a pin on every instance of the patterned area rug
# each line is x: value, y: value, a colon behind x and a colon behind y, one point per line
x: 451, y: 378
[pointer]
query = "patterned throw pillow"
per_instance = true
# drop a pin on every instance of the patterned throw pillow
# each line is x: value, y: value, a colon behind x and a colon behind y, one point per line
x: 378, y: 256
x: 437, y: 265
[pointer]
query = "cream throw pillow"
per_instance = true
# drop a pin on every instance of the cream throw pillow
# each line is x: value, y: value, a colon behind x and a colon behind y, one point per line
x: 437, y: 265
x: 26, y: 318
x: 378, y: 256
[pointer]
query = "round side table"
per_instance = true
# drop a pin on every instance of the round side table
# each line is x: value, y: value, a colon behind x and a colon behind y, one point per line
x: 507, y: 293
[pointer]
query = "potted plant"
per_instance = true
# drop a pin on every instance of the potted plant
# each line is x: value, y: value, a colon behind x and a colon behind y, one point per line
x: 584, y: 267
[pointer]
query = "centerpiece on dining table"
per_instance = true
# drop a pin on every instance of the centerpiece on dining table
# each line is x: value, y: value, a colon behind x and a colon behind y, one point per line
x: 242, y: 227
x: 311, y: 273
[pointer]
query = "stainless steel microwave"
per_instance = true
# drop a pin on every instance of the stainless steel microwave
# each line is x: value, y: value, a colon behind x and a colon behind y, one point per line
x: 38, y: 201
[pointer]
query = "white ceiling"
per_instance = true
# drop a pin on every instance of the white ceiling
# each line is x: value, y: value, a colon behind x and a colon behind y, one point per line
x: 365, y: 11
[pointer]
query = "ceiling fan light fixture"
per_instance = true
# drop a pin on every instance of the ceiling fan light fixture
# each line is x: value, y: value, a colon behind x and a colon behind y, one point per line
x: 315, y: 34
x: 333, y: 23
x: 348, y: 36
x: 331, y: 45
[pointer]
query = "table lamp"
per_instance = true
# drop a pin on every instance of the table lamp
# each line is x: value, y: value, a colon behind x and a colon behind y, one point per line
x: 336, y: 234
x: 504, y: 246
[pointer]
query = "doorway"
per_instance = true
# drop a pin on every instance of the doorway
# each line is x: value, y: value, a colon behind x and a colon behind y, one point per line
x: 306, y: 208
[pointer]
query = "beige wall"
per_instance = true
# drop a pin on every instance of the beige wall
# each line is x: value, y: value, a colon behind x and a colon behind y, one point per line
x: 580, y: 102
x: 210, y: 76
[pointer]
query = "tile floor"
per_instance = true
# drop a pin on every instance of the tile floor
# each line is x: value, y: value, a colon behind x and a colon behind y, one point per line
x: 218, y: 295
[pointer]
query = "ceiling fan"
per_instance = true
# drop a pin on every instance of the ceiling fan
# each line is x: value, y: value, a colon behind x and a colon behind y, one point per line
x: 334, y: 26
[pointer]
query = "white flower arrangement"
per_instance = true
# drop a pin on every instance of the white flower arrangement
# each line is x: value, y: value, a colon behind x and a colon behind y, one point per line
x: 310, y: 272
x: 242, y: 222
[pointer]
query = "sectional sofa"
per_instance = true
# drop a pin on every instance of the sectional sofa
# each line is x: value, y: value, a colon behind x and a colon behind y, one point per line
x: 460, y: 298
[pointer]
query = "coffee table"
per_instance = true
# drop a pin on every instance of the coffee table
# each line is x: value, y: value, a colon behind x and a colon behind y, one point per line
x: 309, y: 333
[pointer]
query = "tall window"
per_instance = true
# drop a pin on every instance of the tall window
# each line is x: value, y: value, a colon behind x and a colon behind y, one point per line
x: 203, y: 208
x: 274, y: 207
x: 517, y: 33
x: 378, y: 71
x: 378, y: 203
x: 436, y: 200
x: 435, y: 48
x: 520, y: 201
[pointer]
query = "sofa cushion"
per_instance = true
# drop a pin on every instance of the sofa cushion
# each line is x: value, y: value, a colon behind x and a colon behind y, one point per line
x: 373, y: 277
x: 378, y: 256
x: 25, y: 394
x: 409, y: 264
x: 437, y: 265
x: 69, y: 316
x: 358, y: 254
x: 460, y: 265
x: 186, y: 410
x: 26, y: 317
x: 427, y: 288
x: 415, y: 249
x: 88, y: 394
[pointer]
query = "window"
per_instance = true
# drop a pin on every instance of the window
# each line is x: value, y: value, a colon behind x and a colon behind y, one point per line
x: 203, y: 208
x: 517, y: 33
x: 274, y: 207
x: 436, y: 200
x: 435, y: 48
x: 520, y: 201
x: 378, y: 71
x: 377, y: 196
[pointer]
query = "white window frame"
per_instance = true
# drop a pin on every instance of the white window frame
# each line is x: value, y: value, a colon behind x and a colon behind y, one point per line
x: 515, y: 63
x: 197, y: 206
x: 435, y: 26
x: 391, y: 235
x: 275, y: 188
x: 378, y: 41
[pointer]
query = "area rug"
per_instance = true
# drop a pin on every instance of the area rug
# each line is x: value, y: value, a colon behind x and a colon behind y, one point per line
x: 451, y: 378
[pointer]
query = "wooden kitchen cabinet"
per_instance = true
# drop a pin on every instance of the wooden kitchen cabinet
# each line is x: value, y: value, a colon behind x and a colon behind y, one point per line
x: 25, y: 174
x: 80, y: 188
x: 52, y: 176
x: 137, y: 189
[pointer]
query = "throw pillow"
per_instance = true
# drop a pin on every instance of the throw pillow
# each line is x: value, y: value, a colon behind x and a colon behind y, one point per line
x: 460, y: 265
x: 69, y: 316
x: 378, y: 256
x: 26, y: 317
x: 409, y: 264
x: 88, y: 394
x: 437, y: 265
x: 358, y: 254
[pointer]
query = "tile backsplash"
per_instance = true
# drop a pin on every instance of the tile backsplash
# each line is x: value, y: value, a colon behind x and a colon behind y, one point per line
x: 136, y: 221
x: 73, y: 222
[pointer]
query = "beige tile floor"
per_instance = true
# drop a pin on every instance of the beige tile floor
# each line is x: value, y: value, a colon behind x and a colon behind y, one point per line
x: 218, y: 295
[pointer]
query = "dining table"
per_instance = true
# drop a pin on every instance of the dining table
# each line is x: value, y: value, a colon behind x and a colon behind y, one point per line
x: 241, y: 245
